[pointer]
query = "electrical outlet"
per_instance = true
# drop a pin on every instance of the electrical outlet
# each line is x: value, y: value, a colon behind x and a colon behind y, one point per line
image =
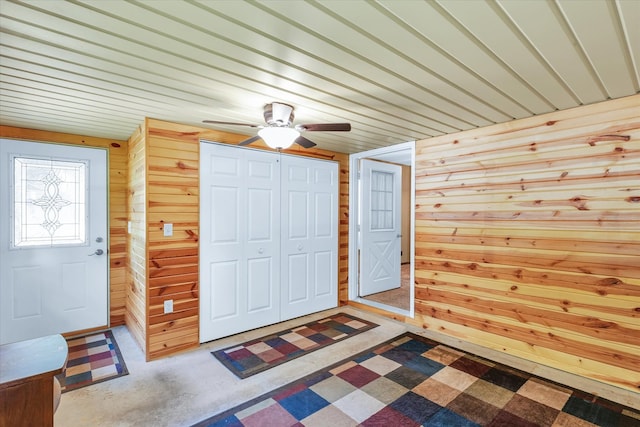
x: 168, y: 229
x: 168, y: 306
x: 129, y: 227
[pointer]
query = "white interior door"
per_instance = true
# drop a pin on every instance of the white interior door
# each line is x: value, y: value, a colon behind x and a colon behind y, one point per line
x: 53, y: 239
x: 240, y: 240
x: 309, y: 236
x: 381, y: 185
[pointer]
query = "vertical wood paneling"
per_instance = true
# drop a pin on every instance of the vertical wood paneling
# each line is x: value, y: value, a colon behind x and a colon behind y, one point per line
x: 528, y: 239
x: 343, y: 225
x: 117, y: 206
x: 136, y: 295
x: 172, y: 196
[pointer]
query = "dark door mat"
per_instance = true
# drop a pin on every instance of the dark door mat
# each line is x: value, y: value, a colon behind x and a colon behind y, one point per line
x: 264, y: 353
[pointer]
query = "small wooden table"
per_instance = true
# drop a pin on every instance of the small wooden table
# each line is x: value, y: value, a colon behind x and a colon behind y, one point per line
x: 27, y: 369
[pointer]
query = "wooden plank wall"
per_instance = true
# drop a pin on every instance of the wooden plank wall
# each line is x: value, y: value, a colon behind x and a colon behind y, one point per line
x: 528, y: 239
x: 117, y: 204
x: 172, y: 196
x: 136, y: 297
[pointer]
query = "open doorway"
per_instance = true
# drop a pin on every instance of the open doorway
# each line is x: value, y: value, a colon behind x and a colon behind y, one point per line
x: 381, y: 228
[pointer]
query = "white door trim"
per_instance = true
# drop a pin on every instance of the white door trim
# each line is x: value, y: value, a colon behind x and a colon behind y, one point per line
x: 354, y: 213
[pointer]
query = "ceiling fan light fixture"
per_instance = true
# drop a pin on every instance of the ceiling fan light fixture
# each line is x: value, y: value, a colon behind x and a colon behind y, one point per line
x: 278, y: 137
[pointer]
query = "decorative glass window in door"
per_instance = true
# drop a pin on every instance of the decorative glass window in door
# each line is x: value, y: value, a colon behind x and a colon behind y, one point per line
x: 49, y: 202
x: 381, y: 200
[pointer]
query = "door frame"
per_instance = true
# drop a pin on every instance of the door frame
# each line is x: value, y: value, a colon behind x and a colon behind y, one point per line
x: 388, y: 154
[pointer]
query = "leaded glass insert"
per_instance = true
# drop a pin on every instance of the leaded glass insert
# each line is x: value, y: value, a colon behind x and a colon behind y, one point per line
x: 49, y: 201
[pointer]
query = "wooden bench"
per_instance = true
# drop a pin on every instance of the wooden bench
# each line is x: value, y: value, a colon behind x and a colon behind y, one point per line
x: 27, y: 388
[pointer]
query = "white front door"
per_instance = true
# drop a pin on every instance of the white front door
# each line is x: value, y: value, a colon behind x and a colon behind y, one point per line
x: 53, y: 239
x: 309, y: 236
x: 381, y: 185
x: 240, y: 240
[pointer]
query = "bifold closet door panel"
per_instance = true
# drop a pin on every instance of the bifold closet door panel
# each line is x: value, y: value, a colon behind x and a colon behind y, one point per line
x: 309, y: 197
x: 240, y: 240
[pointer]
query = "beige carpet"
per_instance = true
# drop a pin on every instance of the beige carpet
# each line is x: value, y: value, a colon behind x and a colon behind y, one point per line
x: 399, y: 297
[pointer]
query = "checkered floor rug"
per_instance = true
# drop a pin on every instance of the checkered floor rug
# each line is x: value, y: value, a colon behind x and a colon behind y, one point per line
x: 413, y: 381
x: 92, y: 359
x: 263, y: 353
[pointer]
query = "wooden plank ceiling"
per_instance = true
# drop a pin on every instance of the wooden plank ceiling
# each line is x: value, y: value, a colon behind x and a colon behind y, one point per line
x: 397, y: 70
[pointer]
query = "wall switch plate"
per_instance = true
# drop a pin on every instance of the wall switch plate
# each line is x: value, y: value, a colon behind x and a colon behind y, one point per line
x: 129, y: 227
x: 168, y: 306
x: 168, y: 229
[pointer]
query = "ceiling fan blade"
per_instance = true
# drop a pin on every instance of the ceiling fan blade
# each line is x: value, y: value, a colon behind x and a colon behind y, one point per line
x: 325, y: 127
x: 216, y: 122
x: 304, y: 142
x: 250, y: 140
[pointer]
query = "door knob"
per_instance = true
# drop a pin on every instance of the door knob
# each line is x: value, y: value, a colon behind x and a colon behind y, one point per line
x: 97, y: 252
x: 261, y: 250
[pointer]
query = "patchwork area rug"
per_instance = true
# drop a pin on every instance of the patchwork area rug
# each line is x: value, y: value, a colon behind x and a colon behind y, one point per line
x: 264, y: 353
x: 92, y: 359
x: 413, y: 381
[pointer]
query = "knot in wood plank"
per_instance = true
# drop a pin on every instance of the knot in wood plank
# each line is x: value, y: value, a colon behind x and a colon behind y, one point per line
x: 610, y: 281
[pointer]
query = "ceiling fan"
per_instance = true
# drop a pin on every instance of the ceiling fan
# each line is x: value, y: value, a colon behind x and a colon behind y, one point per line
x: 278, y: 132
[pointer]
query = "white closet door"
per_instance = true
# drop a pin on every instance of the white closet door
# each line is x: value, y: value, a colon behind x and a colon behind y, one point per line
x: 309, y: 236
x: 240, y: 240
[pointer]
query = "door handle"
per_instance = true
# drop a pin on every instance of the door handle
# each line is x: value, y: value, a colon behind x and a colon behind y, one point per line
x: 97, y: 252
x: 399, y: 235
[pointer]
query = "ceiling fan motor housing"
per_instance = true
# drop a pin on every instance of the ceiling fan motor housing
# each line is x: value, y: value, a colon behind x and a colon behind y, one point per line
x: 278, y: 114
